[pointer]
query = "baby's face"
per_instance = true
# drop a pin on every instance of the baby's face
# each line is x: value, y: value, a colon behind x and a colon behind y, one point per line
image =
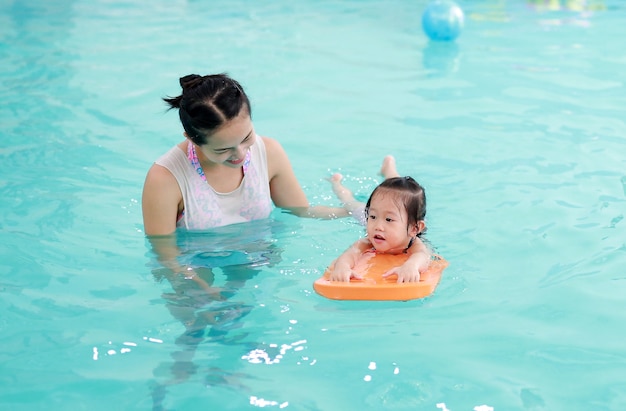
x: 387, y: 227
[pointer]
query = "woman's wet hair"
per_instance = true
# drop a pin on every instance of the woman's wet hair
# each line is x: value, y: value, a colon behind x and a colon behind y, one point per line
x: 207, y: 103
x: 407, y: 193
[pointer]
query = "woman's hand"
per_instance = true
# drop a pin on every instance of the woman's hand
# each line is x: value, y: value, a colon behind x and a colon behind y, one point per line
x: 190, y: 274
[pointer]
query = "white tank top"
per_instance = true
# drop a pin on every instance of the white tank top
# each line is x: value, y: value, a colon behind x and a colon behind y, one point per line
x: 206, y: 208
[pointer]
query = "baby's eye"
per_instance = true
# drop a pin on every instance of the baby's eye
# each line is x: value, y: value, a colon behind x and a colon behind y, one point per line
x: 372, y: 217
x: 389, y: 220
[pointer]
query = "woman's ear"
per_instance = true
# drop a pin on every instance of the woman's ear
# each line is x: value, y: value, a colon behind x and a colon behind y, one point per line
x: 187, y: 137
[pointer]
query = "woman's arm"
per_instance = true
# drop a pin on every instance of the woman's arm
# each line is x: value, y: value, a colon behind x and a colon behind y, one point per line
x: 160, y: 201
x: 285, y: 189
x: 160, y: 204
x: 167, y: 252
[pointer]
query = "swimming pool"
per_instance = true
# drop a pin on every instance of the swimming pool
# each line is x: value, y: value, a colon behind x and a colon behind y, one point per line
x: 516, y: 130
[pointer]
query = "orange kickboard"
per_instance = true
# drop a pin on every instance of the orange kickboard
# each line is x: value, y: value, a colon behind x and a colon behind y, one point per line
x: 374, y: 287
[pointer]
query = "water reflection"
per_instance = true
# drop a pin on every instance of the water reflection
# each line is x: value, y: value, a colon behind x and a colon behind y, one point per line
x: 207, y: 303
x: 441, y: 57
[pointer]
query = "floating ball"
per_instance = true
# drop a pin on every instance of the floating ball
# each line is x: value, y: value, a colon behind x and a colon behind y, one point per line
x: 442, y: 20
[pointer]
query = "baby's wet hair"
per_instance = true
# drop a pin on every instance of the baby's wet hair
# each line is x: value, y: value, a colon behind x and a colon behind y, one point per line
x: 207, y: 103
x: 408, y: 194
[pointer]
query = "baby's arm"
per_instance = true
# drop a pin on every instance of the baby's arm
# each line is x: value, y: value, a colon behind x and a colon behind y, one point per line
x: 418, y: 262
x: 343, y: 267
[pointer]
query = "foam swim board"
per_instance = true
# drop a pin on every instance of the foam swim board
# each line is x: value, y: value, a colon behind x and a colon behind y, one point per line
x: 374, y: 287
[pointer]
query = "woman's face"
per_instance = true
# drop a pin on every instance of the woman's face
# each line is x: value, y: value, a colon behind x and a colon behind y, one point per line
x: 387, y: 227
x: 230, y: 143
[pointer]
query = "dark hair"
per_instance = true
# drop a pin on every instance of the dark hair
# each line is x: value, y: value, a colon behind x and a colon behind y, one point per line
x: 206, y: 103
x: 410, y: 194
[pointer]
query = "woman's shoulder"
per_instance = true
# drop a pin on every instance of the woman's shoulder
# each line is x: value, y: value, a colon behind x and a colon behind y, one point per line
x: 159, y: 174
x: 175, y: 155
x: 161, y: 169
x: 273, y: 148
x: 277, y: 159
x: 269, y: 143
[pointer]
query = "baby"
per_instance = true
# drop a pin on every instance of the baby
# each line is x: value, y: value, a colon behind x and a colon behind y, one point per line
x: 394, y: 219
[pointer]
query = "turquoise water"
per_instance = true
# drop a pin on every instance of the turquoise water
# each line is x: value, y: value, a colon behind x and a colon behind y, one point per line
x: 516, y: 130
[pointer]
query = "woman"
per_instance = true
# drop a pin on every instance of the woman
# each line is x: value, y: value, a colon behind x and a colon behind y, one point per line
x: 223, y: 172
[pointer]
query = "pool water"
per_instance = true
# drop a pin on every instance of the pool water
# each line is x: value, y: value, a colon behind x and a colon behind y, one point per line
x: 516, y: 130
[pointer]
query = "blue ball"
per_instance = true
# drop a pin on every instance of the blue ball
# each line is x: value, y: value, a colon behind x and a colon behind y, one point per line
x: 442, y: 20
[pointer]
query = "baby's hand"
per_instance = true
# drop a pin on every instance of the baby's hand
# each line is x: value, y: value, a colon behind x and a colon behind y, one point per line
x: 409, y: 272
x: 343, y: 273
x: 405, y: 274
